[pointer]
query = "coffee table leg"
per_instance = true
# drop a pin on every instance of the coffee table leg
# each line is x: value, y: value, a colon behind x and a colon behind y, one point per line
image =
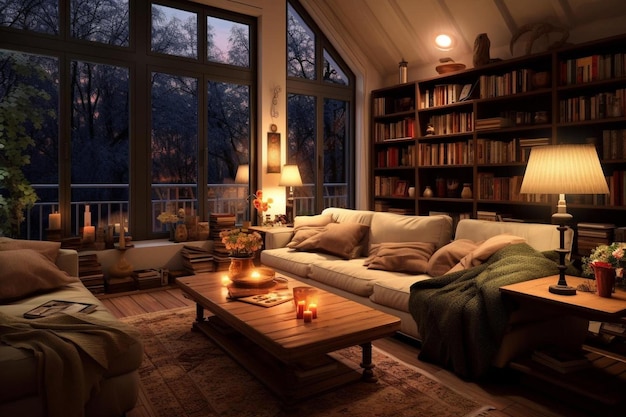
x: 366, y: 363
x: 199, y: 316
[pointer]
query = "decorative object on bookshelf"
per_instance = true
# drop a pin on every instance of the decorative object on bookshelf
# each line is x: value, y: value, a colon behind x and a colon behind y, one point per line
x: 538, y: 30
x: 403, y: 71
x: 411, y: 191
x: 448, y: 65
x: 466, y: 192
x: 481, y: 50
x: 563, y: 169
x: 428, y: 192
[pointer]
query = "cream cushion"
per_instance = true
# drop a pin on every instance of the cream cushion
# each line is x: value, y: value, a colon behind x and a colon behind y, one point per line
x: 49, y: 249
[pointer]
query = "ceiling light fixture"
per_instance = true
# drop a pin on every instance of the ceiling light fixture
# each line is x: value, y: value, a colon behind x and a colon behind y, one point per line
x: 444, y: 42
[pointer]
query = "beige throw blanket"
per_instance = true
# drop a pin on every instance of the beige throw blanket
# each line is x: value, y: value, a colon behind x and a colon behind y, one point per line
x: 73, y: 352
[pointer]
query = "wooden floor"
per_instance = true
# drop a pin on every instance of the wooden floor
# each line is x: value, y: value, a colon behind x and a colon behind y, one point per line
x: 505, y: 393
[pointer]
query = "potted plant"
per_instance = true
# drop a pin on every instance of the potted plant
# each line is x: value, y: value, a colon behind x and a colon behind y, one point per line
x: 241, y: 247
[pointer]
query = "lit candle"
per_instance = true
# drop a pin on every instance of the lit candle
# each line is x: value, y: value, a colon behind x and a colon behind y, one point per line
x: 89, y: 233
x: 307, y: 315
x: 54, y: 221
x: 117, y: 228
x: 300, y: 310
x: 255, y: 275
x: 225, y: 280
x: 87, y: 216
x: 313, y: 309
x: 122, y: 238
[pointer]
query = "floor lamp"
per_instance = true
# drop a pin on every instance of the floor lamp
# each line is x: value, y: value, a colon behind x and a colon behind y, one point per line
x: 563, y: 169
x: 290, y: 177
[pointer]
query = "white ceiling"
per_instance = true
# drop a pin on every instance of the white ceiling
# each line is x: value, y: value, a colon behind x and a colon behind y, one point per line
x: 388, y: 30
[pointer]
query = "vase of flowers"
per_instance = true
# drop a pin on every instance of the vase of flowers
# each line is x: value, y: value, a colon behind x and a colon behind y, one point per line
x: 260, y: 205
x: 241, y: 246
x: 605, y: 263
x: 170, y: 219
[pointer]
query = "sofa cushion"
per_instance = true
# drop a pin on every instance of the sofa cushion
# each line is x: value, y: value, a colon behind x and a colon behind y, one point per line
x: 49, y: 249
x: 25, y: 272
x: 448, y: 256
x: 350, y: 275
x: 319, y: 220
x: 410, y: 257
x: 391, y: 227
x: 303, y: 233
x: 341, y: 239
x: 485, y: 250
x: 394, y: 293
x: 290, y: 261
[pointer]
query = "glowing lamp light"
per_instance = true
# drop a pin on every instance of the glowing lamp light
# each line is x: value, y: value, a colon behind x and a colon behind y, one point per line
x: 443, y: 42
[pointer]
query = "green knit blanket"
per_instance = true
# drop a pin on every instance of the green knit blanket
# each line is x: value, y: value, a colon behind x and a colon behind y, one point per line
x: 462, y: 317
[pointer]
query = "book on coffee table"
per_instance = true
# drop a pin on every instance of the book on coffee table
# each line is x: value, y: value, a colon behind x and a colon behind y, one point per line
x: 268, y: 300
x: 57, y: 306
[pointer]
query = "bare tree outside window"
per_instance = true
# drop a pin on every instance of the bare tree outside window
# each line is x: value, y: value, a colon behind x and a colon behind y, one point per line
x: 104, y: 21
x: 174, y: 31
x: 33, y: 15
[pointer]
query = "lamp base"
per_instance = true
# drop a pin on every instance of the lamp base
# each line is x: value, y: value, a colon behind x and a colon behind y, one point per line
x: 562, y: 289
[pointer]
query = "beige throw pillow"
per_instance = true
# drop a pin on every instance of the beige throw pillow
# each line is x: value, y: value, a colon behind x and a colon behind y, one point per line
x: 485, y: 250
x: 319, y: 220
x: 49, y: 249
x: 344, y: 240
x: 27, y: 272
x: 448, y: 256
x: 410, y: 257
x: 303, y: 233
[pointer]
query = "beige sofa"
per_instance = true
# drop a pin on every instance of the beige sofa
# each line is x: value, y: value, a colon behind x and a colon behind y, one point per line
x: 389, y: 290
x: 22, y: 391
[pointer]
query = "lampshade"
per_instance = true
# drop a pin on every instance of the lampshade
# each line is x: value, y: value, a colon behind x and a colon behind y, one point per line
x: 242, y: 175
x: 290, y: 176
x: 564, y: 169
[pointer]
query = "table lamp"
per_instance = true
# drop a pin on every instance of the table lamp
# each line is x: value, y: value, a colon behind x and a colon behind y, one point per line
x: 290, y: 177
x: 563, y: 169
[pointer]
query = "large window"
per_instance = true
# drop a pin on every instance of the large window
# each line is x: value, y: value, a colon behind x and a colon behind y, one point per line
x: 145, y: 107
x: 320, y: 119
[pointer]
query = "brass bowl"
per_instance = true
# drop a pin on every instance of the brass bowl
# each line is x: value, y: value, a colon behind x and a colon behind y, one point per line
x: 451, y: 67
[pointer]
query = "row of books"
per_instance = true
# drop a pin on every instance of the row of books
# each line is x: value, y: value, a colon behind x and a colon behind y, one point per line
x: 493, y: 123
x: 454, y: 153
x: 395, y: 156
x: 614, y: 144
x: 442, y: 95
x: 396, y: 130
x: 196, y: 259
x: 599, y: 106
x: 90, y: 273
x: 386, y: 105
x: 385, y: 186
x: 445, y: 124
x: 514, y: 82
x: 490, y: 151
x: 592, y: 68
x: 590, y: 235
x: 491, y: 187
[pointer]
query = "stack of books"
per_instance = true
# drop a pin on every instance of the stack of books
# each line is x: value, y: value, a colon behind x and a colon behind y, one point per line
x: 492, y: 123
x: 114, y: 285
x: 562, y: 361
x: 591, y: 235
x: 147, y: 278
x: 197, y: 259
x: 90, y: 273
x: 219, y: 222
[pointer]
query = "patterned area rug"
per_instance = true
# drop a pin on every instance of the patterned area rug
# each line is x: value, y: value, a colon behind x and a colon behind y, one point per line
x: 184, y: 374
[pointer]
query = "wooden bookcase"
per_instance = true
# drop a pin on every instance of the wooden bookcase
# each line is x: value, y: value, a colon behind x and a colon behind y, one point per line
x: 477, y: 126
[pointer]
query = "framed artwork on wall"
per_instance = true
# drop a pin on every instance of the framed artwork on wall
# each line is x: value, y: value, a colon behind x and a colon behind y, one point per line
x: 273, y: 153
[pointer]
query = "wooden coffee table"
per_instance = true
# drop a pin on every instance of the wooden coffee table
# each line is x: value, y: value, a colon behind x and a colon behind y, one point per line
x: 289, y: 356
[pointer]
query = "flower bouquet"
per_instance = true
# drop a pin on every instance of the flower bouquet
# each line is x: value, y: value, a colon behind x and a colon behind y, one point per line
x: 260, y: 205
x: 241, y: 244
x: 610, y: 256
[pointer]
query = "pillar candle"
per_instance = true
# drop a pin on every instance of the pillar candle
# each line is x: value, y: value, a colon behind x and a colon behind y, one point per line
x: 54, y: 221
x: 313, y: 310
x: 307, y: 315
x: 300, y: 310
x: 89, y: 233
x: 87, y: 216
x: 122, y: 238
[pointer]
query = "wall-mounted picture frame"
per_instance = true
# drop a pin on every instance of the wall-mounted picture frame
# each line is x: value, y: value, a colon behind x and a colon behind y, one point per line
x: 401, y: 189
x: 273, y: 153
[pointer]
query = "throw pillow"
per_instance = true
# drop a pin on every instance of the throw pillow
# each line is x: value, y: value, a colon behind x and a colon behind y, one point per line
x: 303, y: 233
x: 26, y: 272
x: 319, y: 220
x: 485, y: 250
x: 410, y: 257
x: 448, y: 256
x: 49, y: 249
x: 344, y: 240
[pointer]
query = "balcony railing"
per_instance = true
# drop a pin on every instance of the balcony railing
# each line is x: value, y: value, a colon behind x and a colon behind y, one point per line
x: 223, y: 198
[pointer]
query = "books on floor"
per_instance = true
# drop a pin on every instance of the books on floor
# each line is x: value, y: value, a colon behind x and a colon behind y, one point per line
x: 197, y: 259
x: 90, y: 273
x: 560, y: 360
x: 147, y: 278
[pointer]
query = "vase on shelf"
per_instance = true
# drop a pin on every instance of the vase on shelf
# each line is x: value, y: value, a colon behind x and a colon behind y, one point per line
x: 240, y: 264
x: 428, y: 192
x: 180, y: 235
x: 604, y: 274
x: 466, y: 192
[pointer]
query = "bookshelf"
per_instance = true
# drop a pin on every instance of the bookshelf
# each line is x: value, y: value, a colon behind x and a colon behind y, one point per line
x: 477, y: 127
